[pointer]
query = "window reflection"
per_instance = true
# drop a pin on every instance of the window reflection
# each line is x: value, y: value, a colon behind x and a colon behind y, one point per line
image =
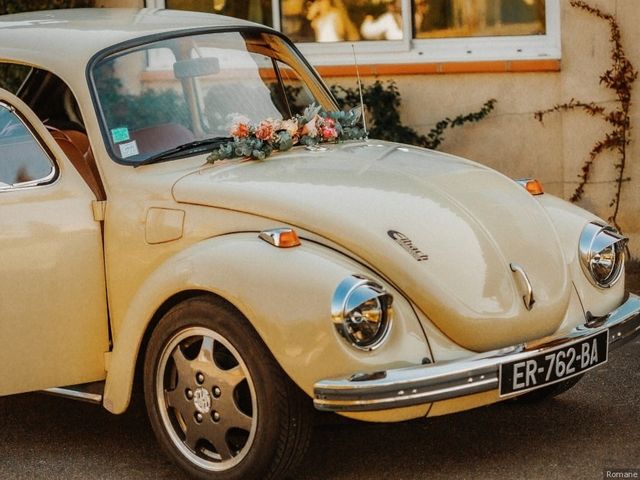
x: 258, y: 11
x: 342, y: 20
x: 475, y: 18
x: 353, y: 20
x: 21, y: 157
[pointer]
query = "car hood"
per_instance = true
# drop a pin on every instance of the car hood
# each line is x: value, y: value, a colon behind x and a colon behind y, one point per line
x: 458, y: 226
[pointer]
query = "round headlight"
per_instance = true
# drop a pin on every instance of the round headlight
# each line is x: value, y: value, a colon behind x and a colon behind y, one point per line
x: 602, y: 254
x: 361, y: 312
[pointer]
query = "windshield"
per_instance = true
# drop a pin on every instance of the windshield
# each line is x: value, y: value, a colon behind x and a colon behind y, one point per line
x: 167, y: 93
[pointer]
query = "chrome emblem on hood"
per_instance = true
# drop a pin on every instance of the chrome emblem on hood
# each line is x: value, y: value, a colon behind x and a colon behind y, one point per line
x: 406, y: 243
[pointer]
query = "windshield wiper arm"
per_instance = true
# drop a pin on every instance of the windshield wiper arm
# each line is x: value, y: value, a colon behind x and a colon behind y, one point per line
x: 196, y: 147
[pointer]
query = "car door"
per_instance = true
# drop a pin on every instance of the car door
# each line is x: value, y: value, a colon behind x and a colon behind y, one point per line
x: 53, y: 313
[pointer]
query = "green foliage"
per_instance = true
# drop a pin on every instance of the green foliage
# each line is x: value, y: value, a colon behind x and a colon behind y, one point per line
x: 155, y: 108
x: 18, y: 6
x: 150, y: 107
x: 383, y: 103
x: 312, y: 127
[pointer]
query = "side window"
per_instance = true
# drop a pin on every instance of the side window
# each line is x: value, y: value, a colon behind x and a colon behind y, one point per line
x: 23, y: 162
x: 298, y: 95
x: 12, y: 76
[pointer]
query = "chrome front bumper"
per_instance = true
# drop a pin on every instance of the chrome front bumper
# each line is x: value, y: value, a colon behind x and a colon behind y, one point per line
x: 422, y: 384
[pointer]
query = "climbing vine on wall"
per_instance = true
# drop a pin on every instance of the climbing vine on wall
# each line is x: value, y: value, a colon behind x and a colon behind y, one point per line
x: 619, y: 78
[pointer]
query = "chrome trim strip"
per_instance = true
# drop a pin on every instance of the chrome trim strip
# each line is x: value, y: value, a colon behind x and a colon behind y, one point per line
x: 38, y: 181
x: 9, y: 107
x: 75, y: 394
x: 405, y: 400
x: 421, y: 384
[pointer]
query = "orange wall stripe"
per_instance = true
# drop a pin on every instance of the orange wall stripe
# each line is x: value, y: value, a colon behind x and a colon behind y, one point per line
x: 501, y: 66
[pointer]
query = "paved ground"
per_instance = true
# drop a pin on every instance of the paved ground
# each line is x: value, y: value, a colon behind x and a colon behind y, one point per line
x: 594, y: 426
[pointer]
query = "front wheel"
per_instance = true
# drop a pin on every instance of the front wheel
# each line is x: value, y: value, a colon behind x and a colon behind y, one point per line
x: 218, y: 403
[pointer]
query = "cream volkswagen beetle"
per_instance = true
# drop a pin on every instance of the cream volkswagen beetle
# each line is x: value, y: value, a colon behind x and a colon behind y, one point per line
x: 380, y: 281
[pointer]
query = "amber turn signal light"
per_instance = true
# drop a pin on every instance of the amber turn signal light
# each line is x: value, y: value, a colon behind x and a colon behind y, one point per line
x: 281, y: 237
x: 532, y: 185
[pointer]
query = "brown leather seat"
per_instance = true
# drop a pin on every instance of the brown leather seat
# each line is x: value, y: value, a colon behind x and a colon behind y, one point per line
x: 79, y: 139
x: 161, y: 137
x: 76, y: 147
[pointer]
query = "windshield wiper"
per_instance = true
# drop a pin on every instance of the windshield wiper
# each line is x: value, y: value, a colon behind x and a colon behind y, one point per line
x: 196, y: 146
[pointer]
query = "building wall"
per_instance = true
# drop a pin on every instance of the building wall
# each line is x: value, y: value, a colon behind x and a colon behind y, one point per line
x: 119, y: 3
x: 510, y: 139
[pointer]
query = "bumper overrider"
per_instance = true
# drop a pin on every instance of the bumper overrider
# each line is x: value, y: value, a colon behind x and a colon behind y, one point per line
x: 416, y: 385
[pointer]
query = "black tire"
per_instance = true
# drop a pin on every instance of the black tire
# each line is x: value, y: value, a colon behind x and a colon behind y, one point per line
x: 547, y: 393
x: 220, y: 406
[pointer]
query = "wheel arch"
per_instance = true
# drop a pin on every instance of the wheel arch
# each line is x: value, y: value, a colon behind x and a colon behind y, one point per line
x: 285, y: 294
x: 160, y: 312
x: 169, y: 303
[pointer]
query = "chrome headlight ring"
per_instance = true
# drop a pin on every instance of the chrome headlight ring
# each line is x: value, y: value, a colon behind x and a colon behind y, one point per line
x: 602, y: 254
x: 361, y: 312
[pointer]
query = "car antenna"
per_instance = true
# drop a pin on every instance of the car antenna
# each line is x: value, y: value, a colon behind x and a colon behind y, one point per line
x: 364, y: 117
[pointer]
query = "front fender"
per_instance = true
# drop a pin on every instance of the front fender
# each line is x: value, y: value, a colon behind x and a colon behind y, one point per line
x: 286, y: 296
x: 569, y: 220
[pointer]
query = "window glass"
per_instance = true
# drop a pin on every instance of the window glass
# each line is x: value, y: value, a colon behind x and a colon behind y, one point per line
x: 12, y: 76
x: 342, y: 20
x: 476, y: 18
x: 199, y: 87
x: 403, y: 31
x: 22, y: 159
x: 130, y: 102
x: 259, y: 11
x: 297, y: 94
x: 351, y: 20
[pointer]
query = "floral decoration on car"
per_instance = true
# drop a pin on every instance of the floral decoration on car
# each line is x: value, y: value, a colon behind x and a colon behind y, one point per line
x: 313, y: 127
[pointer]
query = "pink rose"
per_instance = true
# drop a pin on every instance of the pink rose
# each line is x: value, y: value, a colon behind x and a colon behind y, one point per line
x: 329, y: 133
x: 264, y: 131
x: 329, y: 122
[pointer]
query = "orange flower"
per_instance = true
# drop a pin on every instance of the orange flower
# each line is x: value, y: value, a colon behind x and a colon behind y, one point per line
x: 264, y: 131
x: 240, y: 130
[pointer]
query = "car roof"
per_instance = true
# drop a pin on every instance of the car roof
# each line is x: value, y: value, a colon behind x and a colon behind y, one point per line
x: 56, y: 39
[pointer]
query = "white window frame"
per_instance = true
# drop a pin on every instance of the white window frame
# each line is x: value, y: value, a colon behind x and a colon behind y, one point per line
x: 431, y: 50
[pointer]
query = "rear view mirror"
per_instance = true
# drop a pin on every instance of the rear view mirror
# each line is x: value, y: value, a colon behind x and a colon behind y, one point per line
x: 196, y: 67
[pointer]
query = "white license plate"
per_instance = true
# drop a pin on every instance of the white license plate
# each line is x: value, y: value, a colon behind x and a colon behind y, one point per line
x: 554, y: 365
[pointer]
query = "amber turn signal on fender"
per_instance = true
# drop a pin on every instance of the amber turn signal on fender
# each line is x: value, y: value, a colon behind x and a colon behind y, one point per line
x: 532, y: 185
x: 281, y: 237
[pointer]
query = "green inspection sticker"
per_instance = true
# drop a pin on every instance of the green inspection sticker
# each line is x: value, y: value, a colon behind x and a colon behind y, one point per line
x: 120, y: 134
